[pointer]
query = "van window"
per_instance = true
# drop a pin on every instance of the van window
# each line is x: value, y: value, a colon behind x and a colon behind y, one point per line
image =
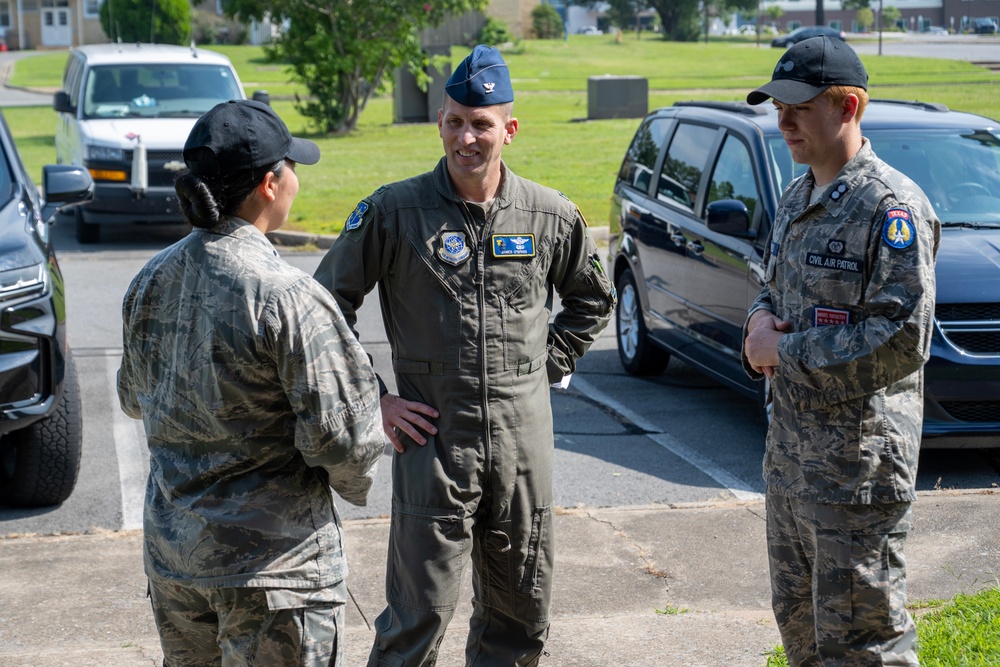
x: 71, y: 78
x: 733, y: 176
x: 157, y: 91
x: 686, y: 159
x: 637, y: 168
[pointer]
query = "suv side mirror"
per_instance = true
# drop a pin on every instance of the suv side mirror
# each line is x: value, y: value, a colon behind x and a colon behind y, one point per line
x: 262, y: 97
x: 61, y: 103
x: 65, y: 185
x: 730, y: 217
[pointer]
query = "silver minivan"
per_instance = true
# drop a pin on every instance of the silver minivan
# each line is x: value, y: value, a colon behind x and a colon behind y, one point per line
x: 125, y: 111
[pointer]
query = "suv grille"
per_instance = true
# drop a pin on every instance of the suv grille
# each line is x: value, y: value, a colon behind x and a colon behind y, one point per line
x: 972, y: 327
x: 973, y: 411
x: 158, y: 176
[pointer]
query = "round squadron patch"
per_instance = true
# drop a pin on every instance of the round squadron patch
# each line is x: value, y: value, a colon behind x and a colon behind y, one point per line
x: 898, y: 230
x: 454, y: 249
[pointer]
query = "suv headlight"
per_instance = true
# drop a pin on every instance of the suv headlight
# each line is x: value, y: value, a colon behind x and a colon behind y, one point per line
x: 104, y: 154
x: 15, y: 283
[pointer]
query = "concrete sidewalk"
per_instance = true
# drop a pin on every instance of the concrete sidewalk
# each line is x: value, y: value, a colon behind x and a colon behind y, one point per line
x: 652, y: 586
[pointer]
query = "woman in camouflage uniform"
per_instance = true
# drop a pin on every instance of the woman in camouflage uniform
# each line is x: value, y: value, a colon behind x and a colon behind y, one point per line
x: 256, y: 399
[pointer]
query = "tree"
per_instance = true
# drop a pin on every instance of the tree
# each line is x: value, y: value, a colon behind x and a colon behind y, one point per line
x: 157, y: 21
x: 344, y: 51
x: 865, y: 18
x: 682, y: 19
x: 890, y: 15
x: 546, y: 22
x: 774, y: 12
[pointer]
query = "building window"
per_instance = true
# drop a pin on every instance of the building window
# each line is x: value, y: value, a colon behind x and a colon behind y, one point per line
x: 29, y: 6
x: 4, y: 14
x: 92, y: 8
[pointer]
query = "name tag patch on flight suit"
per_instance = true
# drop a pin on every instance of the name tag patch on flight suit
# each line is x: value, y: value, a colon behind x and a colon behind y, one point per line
x: 513, y: 245
x: 355, y: 219
x: 839, y: 263
x: 823, y: 316
x: 454, y: 249
x: 898, y: 230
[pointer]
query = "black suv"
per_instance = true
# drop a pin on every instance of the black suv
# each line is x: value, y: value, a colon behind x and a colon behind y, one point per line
x: 691, y: 211
x: 40, y: 421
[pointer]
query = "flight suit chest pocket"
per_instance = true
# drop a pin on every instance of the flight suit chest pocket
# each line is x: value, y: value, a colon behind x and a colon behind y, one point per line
x: 524, y: 302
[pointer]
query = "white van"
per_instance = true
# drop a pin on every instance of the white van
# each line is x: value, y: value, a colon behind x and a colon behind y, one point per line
x: 125, y: 111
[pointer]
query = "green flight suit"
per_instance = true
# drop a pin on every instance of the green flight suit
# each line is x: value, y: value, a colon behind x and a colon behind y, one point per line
x: 466, y: 298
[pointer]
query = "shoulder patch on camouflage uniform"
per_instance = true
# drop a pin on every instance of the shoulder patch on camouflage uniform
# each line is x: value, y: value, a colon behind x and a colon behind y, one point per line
x: 897, y: 230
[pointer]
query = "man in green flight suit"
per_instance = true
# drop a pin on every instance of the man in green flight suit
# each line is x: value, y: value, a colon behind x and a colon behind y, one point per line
x: 466, y: 258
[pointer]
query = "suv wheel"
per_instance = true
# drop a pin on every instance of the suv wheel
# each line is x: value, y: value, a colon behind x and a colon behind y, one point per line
x: 85, y: 232
x: 39, y: 464
x: 638, y: 354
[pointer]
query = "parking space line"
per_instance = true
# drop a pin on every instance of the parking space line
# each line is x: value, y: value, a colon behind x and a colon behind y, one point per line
x: 733, y: 484
x: 129, y: 437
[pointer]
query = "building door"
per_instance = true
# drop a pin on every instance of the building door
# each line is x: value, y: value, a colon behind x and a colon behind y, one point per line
x: 56, y: 27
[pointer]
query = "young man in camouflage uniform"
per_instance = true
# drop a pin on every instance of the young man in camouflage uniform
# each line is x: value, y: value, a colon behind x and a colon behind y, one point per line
x: 256, y: 399
x: 466, y: 258
x: 842, y: 329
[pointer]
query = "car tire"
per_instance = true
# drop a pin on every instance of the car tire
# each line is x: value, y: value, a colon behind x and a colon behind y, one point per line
x: 39, y: 464
x: 638, y: 354
x: 85, y: 232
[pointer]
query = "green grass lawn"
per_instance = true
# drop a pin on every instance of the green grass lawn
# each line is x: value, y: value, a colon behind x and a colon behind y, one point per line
x: 550, y: 79
x: 963, y: 632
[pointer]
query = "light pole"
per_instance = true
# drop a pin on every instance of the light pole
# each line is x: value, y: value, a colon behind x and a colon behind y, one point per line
x: 880, y: 26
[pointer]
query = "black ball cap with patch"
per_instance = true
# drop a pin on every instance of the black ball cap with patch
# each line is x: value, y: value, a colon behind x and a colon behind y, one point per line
x: 810, y: 67
x: 241, y: 135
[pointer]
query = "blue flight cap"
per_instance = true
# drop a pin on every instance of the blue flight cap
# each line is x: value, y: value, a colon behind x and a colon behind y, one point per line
x: 481, y: 80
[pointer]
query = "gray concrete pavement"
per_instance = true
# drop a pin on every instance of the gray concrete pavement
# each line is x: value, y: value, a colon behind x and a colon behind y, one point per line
x: 651, y: 586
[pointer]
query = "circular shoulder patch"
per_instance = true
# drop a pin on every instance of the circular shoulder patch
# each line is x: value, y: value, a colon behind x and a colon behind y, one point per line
x: 898, y: 231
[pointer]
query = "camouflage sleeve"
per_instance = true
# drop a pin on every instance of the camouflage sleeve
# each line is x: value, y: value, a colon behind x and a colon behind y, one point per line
x: 127, y: 395
x: 588, y: 300
x: 331, y: 387
x: 762, y: 302
x: 891, y: 340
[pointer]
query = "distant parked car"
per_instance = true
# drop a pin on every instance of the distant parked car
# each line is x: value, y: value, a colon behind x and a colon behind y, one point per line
x: 589, y: 30
x: 935, y: 30
x: 984, y: 26
x: 690, y: 215
x: 805, y: 32
x: 40, y: 420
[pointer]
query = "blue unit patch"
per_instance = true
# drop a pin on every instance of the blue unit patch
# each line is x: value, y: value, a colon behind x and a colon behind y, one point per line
x: 513, y: 245
x: 454, y: 250
x: 355, y: 219
x: 898, y: 231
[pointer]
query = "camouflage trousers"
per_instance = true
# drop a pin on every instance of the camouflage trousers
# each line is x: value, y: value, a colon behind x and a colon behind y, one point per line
x: 243, y: 627
x: 838, y: 583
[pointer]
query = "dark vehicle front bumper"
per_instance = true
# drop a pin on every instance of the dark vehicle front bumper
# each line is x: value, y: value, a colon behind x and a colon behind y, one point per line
x: 116, y: 202
x: 961, y: 397
x: 32, y: 355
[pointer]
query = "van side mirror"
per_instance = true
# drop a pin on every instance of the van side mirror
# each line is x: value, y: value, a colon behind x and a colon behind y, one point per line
x: 262, y: 97
x: 61, y: 103
x: 730, y: 217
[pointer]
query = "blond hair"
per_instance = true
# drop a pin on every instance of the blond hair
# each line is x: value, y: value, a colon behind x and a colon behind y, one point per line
x: 837, y: 95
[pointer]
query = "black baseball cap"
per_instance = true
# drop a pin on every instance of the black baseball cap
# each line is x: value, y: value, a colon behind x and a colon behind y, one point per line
x: 810, y: 67
x: 241, y: 135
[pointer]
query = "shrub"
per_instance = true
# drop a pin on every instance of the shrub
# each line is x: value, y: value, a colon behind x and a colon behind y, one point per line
x: 494, y: 33
x: 546, y: 22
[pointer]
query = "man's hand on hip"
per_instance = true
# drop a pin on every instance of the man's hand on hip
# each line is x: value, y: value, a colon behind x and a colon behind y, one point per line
x: 402, y: 416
